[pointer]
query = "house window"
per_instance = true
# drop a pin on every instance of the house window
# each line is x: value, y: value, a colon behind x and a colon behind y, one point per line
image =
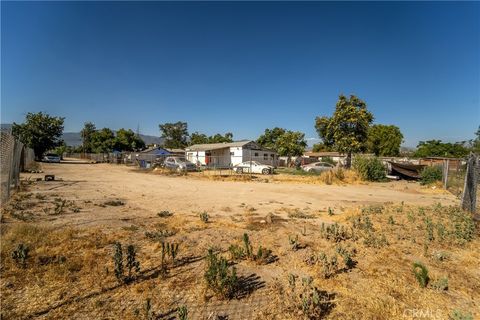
x: 265, y: 156
x: 256, y: 154
x: 272, y: 156
x: 232, y: 153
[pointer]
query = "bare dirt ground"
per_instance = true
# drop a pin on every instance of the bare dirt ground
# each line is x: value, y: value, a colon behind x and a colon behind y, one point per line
x: 72, y: 224
x: 146, y: 194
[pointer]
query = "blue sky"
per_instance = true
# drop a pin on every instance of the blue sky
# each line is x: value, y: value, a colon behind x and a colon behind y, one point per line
x: 243, y: 66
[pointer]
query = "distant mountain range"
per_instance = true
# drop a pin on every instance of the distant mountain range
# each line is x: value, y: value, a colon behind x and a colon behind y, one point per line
x: 74, y: 139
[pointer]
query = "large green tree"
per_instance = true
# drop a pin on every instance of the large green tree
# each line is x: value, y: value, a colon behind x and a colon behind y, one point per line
x: 175, y: 134
x: 201, y: 138
x: 40, y: 131
x: 86, y: 134
x: 291, y: 143
x: 102, y: 141
x: 287, y: 143
x: 384, y: 140
x: 127, y: 140
x: 270, y: 137
x: 347, y: 130
x: 437, y: 148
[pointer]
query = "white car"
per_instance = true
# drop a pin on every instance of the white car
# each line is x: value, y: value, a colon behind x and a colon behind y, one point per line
x: 317, y: 167
x: 51, y: 157
x: 253, y: 167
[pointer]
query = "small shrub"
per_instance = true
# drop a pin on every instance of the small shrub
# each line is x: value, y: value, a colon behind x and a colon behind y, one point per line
x: 297, y: 214
x: 159, y: 235
x: 459, y: 315
x: 219, y: 277
x: 147, y: 308
x: 375, y: 241
x: 430, y: 175
x: 429, y: 229
x: 330, y: 211
x: 118, y: 260
x: 373, y: 209
x: 293, y: 242
x: 182, y: 313
x: 20, y: 255
x: 370, y: 168
x: 171, y: 250
x: 391, y: 221
x: 421, y: 274
x: 307, y: 299
x: 440, y: 284
x: 347, y: 256
x: 236, y: 252
x: 131, y: 264
x: 204, y: 217
x: 335, y: 232
x: 363, y: 223
x: 164, y: 214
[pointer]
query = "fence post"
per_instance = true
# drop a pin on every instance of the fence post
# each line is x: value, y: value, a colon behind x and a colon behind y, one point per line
x: 469, y: 196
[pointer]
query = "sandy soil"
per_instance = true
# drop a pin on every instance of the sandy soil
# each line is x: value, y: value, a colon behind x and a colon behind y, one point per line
x: 146, y: 193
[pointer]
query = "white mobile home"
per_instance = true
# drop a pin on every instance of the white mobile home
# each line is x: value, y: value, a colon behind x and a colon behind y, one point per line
x: 230, y: 154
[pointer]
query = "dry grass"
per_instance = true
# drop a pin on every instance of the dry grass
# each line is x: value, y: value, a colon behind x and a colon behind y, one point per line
x: 69, y: 273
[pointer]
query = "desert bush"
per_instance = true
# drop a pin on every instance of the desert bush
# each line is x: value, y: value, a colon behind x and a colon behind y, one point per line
x: 369, y: 168
x: 459, y: 315
x: 165, y: 214
x: 170, y: 250
x: 236, y: 252
x: 182, y: 313
x: 362, y: 223
x: 204, y: 217
x: 375, y: 241
x: 298, y: 214
x: 430, y: 175
x: 440, y: 284
x: 147, y: 309
x: 429, y: 229
x: 330, y: 211
x: 391, y: 221
x: 373, y: 209
x: 421, y: 273
x: 220, y: 278
x: 329, y: 265
x: 131, y: 262
x: 293, y: 242
x: 307, y: 299
x: 159, y: 235
x: 347, y: 256
x: 335, y: 232
x: 263, y: 255
x: 20, y: 255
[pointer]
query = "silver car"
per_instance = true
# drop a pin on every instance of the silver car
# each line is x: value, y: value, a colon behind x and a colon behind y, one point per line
x: 317, y: 167
x: 51, y: 157
x: 179, y: 164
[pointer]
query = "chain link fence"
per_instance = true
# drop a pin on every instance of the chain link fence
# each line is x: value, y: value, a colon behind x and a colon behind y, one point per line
x: 14, y: 158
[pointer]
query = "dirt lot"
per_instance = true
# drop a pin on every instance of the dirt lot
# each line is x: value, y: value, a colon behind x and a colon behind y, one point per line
x: 337, y: 251
x: 145, y: 194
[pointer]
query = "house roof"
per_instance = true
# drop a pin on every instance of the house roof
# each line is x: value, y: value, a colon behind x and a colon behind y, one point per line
x: 215, y: 146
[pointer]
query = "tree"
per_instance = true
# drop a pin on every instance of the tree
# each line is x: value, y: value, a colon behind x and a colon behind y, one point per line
x: 290, y: 144
x: 475, y: 143
x: 198, y: 138
x: 384, y: 140
x: 175, y: 134
x: 102, y: 141
x: 86, y: 133
x: 127, y: 140
x: 270, y: 137
x: 318, y: 147
x: 40, y: 131
x: 437, y: 148
x: 346, y: 131
x: 218, y: 138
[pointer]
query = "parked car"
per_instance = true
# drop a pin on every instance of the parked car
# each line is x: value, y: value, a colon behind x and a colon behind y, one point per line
x: 317, y: 167
x: 179, y: 164
x: 51, y: 157
x: 253, y: 167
